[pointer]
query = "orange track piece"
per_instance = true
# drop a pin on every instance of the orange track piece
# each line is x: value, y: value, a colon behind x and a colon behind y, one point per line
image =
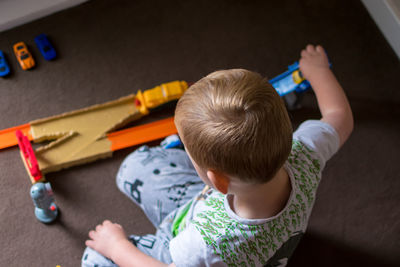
x: 8, y: 137
x: 142, y: 134
x: 119, y: 140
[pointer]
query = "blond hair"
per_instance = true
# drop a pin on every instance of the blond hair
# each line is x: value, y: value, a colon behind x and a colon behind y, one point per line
x: 233, y: 121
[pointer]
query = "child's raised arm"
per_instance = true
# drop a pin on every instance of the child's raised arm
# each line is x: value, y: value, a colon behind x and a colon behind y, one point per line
x: 332, y: 101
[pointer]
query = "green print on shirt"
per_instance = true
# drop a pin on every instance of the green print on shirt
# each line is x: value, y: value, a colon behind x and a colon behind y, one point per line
x: 249, y: 245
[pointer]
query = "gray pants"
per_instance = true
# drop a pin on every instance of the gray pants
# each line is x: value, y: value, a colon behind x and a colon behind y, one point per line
x: 160, y: 181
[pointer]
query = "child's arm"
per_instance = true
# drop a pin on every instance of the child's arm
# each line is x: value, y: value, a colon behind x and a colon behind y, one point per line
x: 109, y: 239
x: 332, y: 101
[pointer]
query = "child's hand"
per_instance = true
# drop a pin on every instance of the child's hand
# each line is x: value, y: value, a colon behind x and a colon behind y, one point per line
x: 313, y: 61
x: 106, y: 238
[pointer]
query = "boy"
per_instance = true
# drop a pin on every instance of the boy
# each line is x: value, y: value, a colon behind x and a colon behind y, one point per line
x: 261, y: 178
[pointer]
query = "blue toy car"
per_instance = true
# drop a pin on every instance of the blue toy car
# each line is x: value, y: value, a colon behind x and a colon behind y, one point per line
x: 290, y: 81
x: 4, y: 67
x: 45, y: 47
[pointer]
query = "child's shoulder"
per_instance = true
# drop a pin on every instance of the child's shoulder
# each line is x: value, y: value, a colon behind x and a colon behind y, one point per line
x: 303, y: 158
x: 315, y: 140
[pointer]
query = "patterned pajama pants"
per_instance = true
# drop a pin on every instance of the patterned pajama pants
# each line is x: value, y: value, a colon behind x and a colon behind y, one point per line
x: 159, y: 181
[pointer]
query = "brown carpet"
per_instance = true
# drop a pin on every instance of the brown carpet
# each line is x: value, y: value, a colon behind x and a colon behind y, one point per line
x: 109, y: 49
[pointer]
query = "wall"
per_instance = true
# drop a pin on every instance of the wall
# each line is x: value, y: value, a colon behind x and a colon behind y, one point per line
x: 17, y: 12
x: 386, y: 14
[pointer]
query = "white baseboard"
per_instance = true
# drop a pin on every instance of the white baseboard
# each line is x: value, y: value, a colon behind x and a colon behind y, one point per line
x: 17, y: 12
x: 386, y: 14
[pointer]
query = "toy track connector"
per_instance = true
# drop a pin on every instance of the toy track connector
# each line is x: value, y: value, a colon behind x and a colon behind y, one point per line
x: 28, y: 156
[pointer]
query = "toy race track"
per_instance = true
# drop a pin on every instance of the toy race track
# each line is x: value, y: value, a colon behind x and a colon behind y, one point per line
x: 85, y: 135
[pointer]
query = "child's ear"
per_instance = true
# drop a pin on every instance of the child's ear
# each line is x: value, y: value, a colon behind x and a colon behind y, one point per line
x: 219, y: 180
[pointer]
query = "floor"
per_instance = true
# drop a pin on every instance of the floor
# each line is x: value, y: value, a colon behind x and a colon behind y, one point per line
x: 109, y: 49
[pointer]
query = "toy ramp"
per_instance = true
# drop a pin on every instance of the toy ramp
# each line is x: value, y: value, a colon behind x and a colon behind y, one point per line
x: 81, y: 136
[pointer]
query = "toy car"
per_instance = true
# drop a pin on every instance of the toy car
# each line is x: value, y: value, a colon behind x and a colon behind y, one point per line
x: 45, y: 47
x: 23, y: 55
x: 164, y: 93
x: 290, y: 81
x: 4, y: 67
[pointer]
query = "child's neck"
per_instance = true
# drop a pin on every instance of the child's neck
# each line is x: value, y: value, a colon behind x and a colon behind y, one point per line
x: 261, y: 200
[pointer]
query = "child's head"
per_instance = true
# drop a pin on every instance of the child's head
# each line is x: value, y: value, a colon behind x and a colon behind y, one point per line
x: 233, y: 121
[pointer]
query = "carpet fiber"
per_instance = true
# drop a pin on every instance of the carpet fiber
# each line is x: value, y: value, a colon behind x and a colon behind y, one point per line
x: 109, y: 49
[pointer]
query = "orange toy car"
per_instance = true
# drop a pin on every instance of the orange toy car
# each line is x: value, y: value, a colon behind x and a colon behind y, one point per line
x: 25, y: 58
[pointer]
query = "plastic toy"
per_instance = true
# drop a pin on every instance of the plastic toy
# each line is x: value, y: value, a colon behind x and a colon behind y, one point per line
x: 45, y: 47
x: 159, y: 95
x: 23, y: 55
x: 8, y: 136
x: 46, y: 210
x: 28, y: 156
x: 290, y: 85
x: 290, y: 81
x: 162, y: 94
x: 86, y: 135
x: 4, y: 67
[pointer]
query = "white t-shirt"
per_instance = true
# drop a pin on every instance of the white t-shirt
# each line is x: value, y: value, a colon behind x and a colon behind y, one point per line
x: 208, y: 233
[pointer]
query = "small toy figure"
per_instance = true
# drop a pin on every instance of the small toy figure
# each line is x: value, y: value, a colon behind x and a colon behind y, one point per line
x: 45, y: 47
x: 4, y: 67
x: 45, y: 209
x: 23, y: 55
